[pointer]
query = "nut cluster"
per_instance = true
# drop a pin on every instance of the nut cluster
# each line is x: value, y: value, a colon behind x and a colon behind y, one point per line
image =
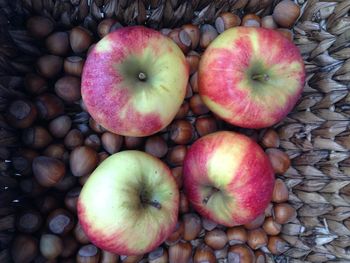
x: 62, y: 145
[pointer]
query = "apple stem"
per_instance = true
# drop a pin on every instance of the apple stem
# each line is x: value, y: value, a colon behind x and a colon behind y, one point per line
x: 213, y: 190
x: 142, y: 76
x: 261, y: 77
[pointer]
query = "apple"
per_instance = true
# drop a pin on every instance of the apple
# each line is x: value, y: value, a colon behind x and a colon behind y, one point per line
x: 251, y: 77
x: 134, y: 81
x: 228, y: 178
x: 129, y: 204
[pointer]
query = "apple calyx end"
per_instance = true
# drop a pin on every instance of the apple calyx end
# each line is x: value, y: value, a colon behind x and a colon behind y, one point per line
x: 213, y: 190
x: 261, y: 77
x: 142, y: 76
x: 145, y: 201
x: 155, y: 204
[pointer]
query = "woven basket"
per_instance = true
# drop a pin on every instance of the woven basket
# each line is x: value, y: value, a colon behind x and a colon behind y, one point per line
x: 316, y: 135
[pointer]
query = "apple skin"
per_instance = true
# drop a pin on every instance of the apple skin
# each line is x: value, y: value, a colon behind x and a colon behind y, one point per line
x: 114, y: 94
x: 110, y: 210
x: 228, y: 178
x: 251, y: 77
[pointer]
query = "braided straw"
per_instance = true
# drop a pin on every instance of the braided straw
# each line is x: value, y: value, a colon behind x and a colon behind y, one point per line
x: 315, y: 135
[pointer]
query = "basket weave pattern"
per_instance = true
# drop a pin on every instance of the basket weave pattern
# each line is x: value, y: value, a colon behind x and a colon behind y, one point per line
x: 315, y: 135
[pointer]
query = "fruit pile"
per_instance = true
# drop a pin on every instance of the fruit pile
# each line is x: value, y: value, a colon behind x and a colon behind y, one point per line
x: 63, y: 145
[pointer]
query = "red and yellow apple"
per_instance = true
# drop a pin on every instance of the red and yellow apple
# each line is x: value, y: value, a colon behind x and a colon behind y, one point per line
x: 228, y: 178
x: 251, y: 77
x: 134, y: 81
x: 129, y: 205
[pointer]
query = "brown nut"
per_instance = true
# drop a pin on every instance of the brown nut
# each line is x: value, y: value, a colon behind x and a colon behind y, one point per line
x: 39, y: 26
x: 88, y: 254
x: 73, y: 139
x: 268, y: 22
x: 111, y: 142
x: 270, y: 139
x: 284, y: 213
x: 60, y: 126
x: 194, y: 82
x: 22, y: 160
x: 49, y: 106
x: 183, y: 111
x: 251, y: 20
x: 257, y: 222
x: 49, y: 66
x: 29, y: 221
x: 280, y: 160
x: 192, y: 59
x: 205, y: 125
x: 80, y: 39
x: 58, y: 43
x: 73, y: 65
x: 204, y: 254
x: 240, y: 253
x: 286, y: 13
x: 158, y: 255
x: 133, y: 143
x: 181, y: 132
x: 180, y: 252
x: 208, y: 34
x: 156, y: 146
x: 237, y: 235
x: 216, y: 239
x: 68, y: 88
x: 104, y: 27
x: 70, y: 247
x: 83, y: 160
x: 35, y: 84
x: 194, y: 34
x: 277, y: 245
x: 80, y: 235
x: 177, y: 173
x: 280, y: 192
x: 108, y: 257
x: 257, y: 238
x: 260, y: 256
x: 176, y: 235
x: 197, y: 106
x: 71, y: 199
x: 226, y: 20
x: 60, y: 221
x: 24, y: 249
x: 192, y: 226
x: 181, y: 38
x: 48, y: 171
x: 271, y: 227
x: 51, y: 246
x: 93, y: 141
x: 176, y: 155
x: 21, y: 113
x: 184, y: 204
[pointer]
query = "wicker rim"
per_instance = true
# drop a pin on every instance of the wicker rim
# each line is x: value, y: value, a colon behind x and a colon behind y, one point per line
x: 315, y: 135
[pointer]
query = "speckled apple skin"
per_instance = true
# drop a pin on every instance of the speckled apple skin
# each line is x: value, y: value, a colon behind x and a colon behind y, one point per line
x: 109, y: 208
x: 225, y: 76
x: 236, y: 166
x: 112, y: 92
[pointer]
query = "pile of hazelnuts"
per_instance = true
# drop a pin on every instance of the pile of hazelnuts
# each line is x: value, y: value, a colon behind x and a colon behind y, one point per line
x: 61, y: 145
